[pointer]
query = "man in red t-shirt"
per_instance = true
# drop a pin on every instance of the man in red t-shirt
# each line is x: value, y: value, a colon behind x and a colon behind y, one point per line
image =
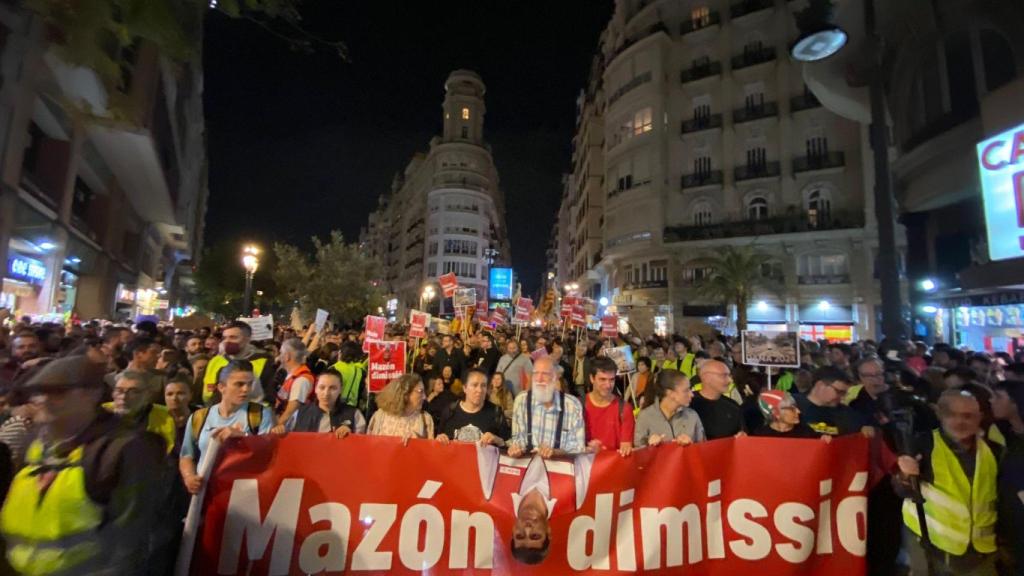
x: 608, y: 417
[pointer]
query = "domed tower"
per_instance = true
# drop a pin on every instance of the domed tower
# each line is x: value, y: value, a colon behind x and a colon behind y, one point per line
x: 464, y: 108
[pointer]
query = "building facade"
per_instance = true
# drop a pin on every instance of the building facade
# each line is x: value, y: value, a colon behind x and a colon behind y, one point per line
x: 697, y: 131
x: 956, y: 77
x: 445, y: 212
x: 103, y: 193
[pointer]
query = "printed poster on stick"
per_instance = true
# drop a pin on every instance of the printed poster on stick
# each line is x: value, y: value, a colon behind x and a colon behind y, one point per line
x: 418, y: 322
x: 375, y: 326
x: 448, y: 284
x: 464, y: 298
x: 524, y: 307
x: 610, y: 326
x: 386, y: 362
x: 578, y: 319
x: 771, y: 348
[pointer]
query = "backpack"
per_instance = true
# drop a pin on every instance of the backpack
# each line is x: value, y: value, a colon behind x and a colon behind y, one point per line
x: 254, y: 418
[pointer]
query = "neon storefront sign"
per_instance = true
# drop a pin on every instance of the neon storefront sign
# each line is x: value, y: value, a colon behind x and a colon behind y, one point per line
x: 26, y: 269
x: 1001, y: 167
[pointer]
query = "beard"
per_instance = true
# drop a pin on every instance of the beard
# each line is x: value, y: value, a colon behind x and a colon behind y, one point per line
x: 543, y: 394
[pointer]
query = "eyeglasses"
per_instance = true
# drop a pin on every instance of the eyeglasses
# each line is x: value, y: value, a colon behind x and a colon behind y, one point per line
x: 126, y: 391
x: 840, y: 391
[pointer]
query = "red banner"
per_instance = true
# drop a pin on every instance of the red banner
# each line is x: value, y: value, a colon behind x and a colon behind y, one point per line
x: 448, y: 284
x: 386, y: 362
x: 311, y: 503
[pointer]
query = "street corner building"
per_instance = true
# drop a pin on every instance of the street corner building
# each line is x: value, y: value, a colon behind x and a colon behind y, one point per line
x: 103, y: 188
x: 697, y: 131
x: 445, y: 212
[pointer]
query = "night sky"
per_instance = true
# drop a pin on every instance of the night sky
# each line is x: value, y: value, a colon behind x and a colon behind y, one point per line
x: 301, y: 144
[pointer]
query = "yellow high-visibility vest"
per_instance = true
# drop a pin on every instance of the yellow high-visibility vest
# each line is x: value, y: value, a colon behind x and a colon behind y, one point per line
x: 158, y: 421
x: 959, y: 512
x: 51, y: 531
x: 216, y: 363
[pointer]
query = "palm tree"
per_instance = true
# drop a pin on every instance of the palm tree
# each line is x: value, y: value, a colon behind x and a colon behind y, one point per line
x: 734, y: 279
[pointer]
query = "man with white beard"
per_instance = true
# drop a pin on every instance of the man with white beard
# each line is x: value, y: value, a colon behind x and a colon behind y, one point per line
x: 544, y: 420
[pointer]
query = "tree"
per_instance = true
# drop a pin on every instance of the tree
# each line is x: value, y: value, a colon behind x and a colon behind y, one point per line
x: 735, y: 278
x: 337, y: 278
x: 220, y: 283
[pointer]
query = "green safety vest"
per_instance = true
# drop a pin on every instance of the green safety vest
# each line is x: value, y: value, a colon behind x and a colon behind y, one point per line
x: 351, y: 377
x: 959, y: 511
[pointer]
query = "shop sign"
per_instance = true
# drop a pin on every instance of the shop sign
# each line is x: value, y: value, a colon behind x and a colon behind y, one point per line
x: 991, y: 316
x: 126, y: 296
x: 26, y: 269
x: 1001, y: 168
x: 1006, y: 298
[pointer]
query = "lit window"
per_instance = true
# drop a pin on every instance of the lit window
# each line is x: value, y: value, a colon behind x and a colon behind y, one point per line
x: 700, y: 17
x: 465, y: 113
x: 642, y: 121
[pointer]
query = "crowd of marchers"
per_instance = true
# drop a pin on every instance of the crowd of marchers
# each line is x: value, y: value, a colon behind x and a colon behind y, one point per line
x: 104, y: 427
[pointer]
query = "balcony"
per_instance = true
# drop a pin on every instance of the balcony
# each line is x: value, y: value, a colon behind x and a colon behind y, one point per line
x: 751, y: 57
x: 750, y: 113
x: 751, y: 171
x: 711, y: 178
x: 819, y: 162
x: 638, y: 37
x: 697, y: 24
x: 789, y: 224
x: 810, y: 280
x: 701, y: 123
x: 747, y: 7
x: 646, y: 285
x: 700, y: 71
x: 639, y: 8
x: 628, y: 86
x: 805, y: 101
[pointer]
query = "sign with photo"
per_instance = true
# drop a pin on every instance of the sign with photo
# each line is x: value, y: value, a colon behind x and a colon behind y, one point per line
x: 623, y: 358
x: 771, y: 348
x: 262, y: 327
x: 418, y: 322
x: 464, y: 298
x: 386, y: 362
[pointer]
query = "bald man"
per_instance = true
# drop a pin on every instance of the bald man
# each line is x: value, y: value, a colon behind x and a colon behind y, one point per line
x: 544, y: 420
x: 721, y: 416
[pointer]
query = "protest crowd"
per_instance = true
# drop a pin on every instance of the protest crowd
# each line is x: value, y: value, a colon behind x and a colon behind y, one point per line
x: 105, y: 426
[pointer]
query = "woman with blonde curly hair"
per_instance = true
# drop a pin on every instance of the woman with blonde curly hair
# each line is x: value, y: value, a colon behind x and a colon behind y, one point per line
x: 400, y: 410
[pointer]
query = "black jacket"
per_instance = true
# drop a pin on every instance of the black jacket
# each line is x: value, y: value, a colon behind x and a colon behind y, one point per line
x: 308, y: 417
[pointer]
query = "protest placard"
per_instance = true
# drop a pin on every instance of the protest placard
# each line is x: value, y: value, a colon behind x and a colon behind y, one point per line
x: 262, y: 327
x: 610, y: 326
x: 418, y: 322
x: 321, y: 319
x: 386, y: 362
x: 464, y: 298
x: 448, y: 284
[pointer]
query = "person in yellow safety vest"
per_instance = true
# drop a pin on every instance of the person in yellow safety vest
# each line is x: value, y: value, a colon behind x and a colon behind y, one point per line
x: 82, y: 504
x: 133, y: 403
x: 957, y: 474
x: 235, y: 346
x: 682, y: 360
x: 352, y: 368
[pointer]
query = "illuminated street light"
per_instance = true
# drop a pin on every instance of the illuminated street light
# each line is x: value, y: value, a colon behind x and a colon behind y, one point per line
x: 929, y: 309
x: 927, y: 285
x: 426, y: 296
x: 824, y: 305
x: 762, y: 305
x: 251, y: 263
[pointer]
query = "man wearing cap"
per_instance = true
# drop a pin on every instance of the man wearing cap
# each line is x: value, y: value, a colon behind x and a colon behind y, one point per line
x: 782, y: 417
x: 82, y: 502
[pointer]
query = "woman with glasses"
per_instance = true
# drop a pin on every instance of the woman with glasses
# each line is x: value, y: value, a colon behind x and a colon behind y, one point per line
x: 400, y: 410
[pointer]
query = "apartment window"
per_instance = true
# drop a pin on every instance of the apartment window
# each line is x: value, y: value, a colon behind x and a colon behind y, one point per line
x: 693, y: 275
x: 757, y: 208
x: 432, y: 249
x: 702, y: 112
x: 659, y: 270
x: 819, y: 205
x: 432, y: 270
x: 460, y: 247
x: 702, y: 213
x: 642, y: 122
x: 465, y: 131
x: 702, y: 166
x: 771, y: 270
x: 757, y: 157
x: 700, y: 17
x: 822, y: 265
x: 465, y: 113
x: 817, y: 147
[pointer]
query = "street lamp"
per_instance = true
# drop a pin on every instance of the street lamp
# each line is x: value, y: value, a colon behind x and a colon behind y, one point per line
x: 426, y: 296
x: 251, y: 262
x: 572, y: 287
x: 893, y: 326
